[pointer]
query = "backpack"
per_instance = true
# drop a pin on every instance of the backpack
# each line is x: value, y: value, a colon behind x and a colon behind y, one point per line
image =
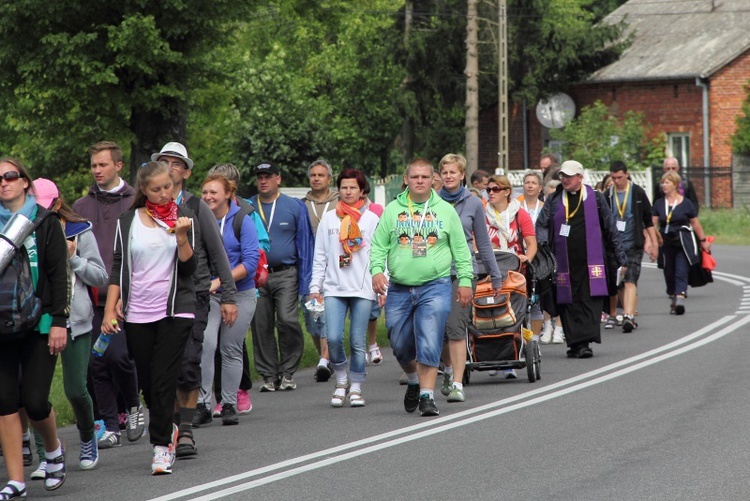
x: 246, y: 209
x: 20, y: 308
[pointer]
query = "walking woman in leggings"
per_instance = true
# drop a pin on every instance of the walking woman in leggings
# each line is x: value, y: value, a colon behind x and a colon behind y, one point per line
x: 243, y: 254
x: 152, y: 276
x: 33, y: 353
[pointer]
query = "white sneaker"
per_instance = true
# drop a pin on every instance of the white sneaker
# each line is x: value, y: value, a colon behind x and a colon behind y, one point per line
x: 163, y: 461
x: 510, y: 374
x: 558, y: 337
x: 41, y: 471
x: 546, y: 336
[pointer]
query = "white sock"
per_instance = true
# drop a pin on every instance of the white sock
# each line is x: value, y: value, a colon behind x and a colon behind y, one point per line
x: 458, y: 386
x: 412, y: 377
x: 373, y: 347
x: 52, y: 455
x: 356, y: 387
x: 18, y: 485
x: 323, y: 361
x: 27, y: 435
x: 448, y: 370
x: 427, y: 392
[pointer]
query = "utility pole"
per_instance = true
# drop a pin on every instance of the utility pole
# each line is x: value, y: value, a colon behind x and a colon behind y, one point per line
x: 502, y: 87
x: 471, y: 124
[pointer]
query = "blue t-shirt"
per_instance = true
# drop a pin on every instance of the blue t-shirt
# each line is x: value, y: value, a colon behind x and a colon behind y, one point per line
x: 281, y: 223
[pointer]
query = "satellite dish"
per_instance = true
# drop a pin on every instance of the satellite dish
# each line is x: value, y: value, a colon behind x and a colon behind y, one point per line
x: 556, y: 111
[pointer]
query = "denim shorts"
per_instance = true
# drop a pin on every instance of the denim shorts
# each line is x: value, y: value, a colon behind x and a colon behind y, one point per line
x: 415, y: 317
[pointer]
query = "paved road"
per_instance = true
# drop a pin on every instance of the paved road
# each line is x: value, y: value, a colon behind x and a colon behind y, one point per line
x: 661, y: 413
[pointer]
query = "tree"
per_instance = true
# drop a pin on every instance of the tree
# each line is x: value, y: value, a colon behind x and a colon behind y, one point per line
x: 595, y: 138
x: 309, y: 80
x: 76, y: 72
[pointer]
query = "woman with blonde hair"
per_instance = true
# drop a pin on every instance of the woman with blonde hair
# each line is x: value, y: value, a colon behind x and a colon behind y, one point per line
x: 452, y: 169
x: 678, y: 223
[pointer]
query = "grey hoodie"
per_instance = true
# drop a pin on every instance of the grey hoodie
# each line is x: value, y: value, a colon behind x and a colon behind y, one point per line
x: 87, y: 266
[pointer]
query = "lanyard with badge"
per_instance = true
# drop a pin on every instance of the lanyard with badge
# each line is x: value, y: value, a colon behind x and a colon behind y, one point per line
x: 621, y: 222
x: 565, y: 228
x: 668, y: 210
x: 418, y: 249
x: 325, y: 209
x: 263, y: 215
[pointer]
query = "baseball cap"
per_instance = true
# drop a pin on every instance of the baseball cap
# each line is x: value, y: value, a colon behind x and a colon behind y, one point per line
x: 46, y: 192
x: 266, y: 168
x: 571, y: 168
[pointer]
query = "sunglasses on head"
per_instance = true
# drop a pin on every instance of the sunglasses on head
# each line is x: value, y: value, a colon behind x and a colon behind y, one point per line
x: 11, y: 175
x: 497, y: 189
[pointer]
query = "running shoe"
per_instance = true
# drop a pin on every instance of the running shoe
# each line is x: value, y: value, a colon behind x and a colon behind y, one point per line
x: 244, y: 404
x: 136, y: 423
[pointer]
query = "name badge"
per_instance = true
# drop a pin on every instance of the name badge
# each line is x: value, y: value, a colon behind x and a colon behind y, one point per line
x: 565, y: 230
x: 345, y: 261
x: 621, y: 225
x: 419, y: 249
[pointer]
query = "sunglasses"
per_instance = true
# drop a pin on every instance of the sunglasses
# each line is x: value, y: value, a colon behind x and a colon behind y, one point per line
x: 497, y: 189
x: 11, y: 175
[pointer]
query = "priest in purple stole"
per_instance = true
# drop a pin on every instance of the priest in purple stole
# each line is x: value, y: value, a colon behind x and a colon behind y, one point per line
x: 579, y: 227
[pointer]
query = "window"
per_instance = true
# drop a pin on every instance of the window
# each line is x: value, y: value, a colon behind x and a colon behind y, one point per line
x: 678, y: 145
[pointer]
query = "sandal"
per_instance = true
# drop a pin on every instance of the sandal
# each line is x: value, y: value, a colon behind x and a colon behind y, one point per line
x: 10, y: 491
x: 355, y: 399
x: 185, y: 445
x: 338, y: 398
x: 375, y: 357
x: 57, y: 477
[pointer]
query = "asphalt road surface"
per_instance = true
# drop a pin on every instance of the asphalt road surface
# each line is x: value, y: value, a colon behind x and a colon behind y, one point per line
x: 659, y: 414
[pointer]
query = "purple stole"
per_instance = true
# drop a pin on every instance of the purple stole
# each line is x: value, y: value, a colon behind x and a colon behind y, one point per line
x: 594, y: 250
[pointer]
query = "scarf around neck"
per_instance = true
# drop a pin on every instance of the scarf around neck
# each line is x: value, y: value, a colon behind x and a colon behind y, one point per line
x: 165, y: 214
x: 29, y: 210
x: 452, y: 198
x: 501, y: 221
x: 350, y: 235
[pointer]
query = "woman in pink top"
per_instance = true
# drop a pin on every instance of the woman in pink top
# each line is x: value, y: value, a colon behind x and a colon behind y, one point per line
x: 152, y: 277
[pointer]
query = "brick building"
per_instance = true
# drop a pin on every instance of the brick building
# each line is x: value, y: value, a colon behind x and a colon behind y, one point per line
x: 689, y: 59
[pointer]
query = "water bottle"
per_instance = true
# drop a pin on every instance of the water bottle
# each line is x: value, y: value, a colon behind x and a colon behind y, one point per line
x: 102, y: 343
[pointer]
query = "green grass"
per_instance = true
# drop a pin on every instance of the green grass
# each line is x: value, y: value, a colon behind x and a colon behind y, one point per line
x: 310, y: 358
x: 729, y: 226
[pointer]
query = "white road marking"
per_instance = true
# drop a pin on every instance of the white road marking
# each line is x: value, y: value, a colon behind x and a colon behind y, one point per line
x: 469, y: 416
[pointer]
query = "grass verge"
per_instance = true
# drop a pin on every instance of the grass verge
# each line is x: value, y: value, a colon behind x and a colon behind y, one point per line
x: 729, y: 226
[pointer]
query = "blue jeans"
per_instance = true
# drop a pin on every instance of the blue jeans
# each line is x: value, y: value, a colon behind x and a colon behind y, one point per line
x: 336, y: 308
x: 415, y: 318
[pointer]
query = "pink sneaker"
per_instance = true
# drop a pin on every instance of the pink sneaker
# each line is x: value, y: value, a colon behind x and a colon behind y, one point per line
x: 244, y: 404
x: 122, y: 420
x: 217, y: 411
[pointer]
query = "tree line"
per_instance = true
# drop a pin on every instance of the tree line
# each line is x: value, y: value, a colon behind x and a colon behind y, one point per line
x: 365, y: 84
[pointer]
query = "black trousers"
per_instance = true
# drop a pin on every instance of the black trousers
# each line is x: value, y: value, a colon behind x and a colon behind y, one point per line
x: 158, y: 349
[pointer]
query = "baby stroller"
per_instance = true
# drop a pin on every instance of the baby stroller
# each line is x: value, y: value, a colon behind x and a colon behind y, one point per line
x: 499, y: 334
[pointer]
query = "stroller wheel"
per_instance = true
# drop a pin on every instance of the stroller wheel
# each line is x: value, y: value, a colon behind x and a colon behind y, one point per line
x: 531, y: 351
